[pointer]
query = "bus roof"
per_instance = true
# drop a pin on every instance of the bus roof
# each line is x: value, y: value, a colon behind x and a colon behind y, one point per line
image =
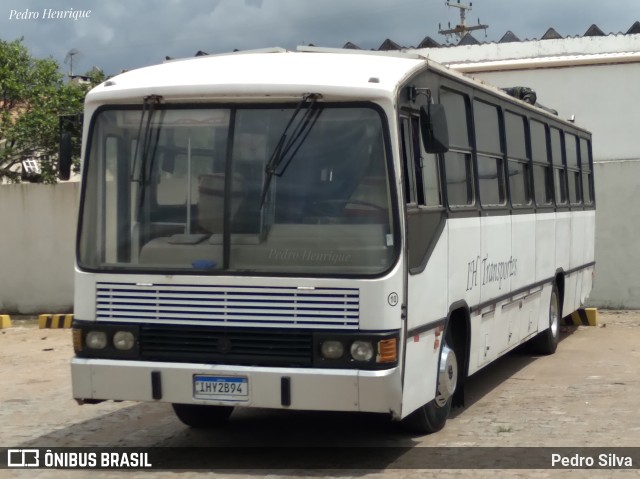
x: 272, y: 73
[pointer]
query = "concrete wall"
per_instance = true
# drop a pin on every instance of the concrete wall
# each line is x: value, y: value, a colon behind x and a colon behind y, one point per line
x: 37, y: 242
x: 617, y: 282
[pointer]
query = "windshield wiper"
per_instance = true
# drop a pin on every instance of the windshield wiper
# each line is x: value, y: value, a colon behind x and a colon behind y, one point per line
x: 288, y: 145
x: 149, y: 145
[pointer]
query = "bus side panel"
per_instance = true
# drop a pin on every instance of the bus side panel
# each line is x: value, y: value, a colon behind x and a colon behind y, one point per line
x: 573, y: 287
x: 496, y: 269
x: 427, y: 303
x: 523, y: 247
x: 563, y: 243
x: 545, y: 246
x: 465, y: 261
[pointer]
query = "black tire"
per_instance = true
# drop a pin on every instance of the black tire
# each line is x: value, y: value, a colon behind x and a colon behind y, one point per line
x: 547, y: 341
x: 202, y: 417
x: 428, y: 419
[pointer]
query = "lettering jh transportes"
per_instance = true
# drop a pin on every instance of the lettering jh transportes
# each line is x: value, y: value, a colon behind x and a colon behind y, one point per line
x: 321, y: 230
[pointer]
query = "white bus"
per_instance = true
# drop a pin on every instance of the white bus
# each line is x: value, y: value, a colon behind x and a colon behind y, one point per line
x: 320, y: 230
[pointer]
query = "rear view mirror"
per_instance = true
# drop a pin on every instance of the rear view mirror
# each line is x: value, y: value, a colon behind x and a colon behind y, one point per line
x: 433, y: 128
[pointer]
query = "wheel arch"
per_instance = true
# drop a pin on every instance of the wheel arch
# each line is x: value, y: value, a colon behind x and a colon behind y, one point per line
x: 458, y: 331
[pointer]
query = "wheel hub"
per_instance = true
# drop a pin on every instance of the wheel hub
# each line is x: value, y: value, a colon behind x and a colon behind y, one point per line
x: 447, y: 375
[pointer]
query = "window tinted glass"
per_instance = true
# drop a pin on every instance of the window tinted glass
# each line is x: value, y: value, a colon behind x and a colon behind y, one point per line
x: 515, y: 130
x: 542, y: 185
x: 584, y: 155
x: 586, y: 188
x: 459, y: 172
x: 490, y: 182
x: 487, y: 127
x: 539, y: 142
x: 457, y: 121
x: 519, y: 183
x: 571, y: 150
x: 556, y: 146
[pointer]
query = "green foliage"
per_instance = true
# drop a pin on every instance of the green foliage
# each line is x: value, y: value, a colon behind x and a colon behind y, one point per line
x: 33, y: 95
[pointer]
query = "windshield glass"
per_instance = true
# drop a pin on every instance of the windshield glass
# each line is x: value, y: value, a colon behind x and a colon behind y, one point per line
x: 198, y: 192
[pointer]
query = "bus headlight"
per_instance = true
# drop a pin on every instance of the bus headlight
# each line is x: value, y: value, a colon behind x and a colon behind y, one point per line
x: 332, y: 349
x: 124, y: 340
x: 96, y: 340
x: 362, y: 350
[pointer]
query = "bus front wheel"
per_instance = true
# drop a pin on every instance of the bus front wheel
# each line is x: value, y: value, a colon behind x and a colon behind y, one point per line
x: 202, y: 417
x: 433, y: 416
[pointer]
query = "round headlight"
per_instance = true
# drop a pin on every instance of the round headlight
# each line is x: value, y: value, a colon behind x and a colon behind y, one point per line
x: 96, y: 339
x: 362, y: 350
x: 124, y: 340
x: 332, y: 349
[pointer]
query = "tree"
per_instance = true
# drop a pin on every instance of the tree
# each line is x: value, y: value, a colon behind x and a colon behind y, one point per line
x: 33, y: 96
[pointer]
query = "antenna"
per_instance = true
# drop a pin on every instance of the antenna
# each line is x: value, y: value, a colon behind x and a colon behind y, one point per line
x: 462, y: 29
x: 69, y: 59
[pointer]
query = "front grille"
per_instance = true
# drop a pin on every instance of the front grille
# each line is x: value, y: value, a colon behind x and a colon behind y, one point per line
x: 239, y: 346
x: 242, y: 306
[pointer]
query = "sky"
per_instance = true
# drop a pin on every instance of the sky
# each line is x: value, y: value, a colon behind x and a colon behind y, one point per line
x: 117, y: 35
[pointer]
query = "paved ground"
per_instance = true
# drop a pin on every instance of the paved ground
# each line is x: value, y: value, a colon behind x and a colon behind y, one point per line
x: 587, y: 394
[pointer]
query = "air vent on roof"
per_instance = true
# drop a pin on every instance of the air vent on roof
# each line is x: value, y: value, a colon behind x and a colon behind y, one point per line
x: 523, y: 93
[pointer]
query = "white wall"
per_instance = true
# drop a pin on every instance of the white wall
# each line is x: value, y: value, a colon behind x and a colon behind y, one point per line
x: 37, y: 241
x: 617, y: 282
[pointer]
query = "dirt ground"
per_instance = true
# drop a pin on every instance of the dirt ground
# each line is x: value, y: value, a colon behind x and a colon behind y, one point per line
x: 587, y: 394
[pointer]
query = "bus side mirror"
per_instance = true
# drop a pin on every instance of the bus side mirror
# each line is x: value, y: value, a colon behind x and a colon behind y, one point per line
x: 64, y: 156
x: 434, y: 130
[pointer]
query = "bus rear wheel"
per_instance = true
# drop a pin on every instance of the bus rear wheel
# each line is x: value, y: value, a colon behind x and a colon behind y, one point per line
x: 547, y: 341
x: 202, y: 417
x: 433, y: 416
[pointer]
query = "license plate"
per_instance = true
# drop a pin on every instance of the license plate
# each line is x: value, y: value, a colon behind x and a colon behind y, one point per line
x: 225, y: 388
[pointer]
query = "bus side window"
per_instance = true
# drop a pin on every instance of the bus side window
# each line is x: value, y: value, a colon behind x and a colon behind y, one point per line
x: 559, y: 171
x: 585, y: 166
x: 427, y: 171
x: 490, y: 155
x: 517, y: 161
x: 458, y: 167
x: 408, y: 161
x: 542, y: 177
x: 573, y: 169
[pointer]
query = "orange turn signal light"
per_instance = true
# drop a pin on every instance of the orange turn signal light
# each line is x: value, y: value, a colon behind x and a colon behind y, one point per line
x: 387, y: 351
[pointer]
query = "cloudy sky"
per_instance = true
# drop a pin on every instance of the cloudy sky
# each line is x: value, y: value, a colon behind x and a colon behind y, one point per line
x: 124, y: 34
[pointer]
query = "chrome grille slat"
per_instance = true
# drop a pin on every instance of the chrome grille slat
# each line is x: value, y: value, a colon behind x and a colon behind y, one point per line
x: 252, y: 306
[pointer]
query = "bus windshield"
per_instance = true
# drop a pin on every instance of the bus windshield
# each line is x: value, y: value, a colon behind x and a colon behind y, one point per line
x: 197, y: 190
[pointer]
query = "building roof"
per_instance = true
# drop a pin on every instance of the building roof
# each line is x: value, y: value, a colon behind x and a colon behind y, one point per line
x: 508, y: 37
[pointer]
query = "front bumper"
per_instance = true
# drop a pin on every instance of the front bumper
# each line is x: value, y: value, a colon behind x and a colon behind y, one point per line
x: 308, y: 389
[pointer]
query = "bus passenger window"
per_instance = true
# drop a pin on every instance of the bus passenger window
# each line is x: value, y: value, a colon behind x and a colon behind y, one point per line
x: 458, y: 167
x: 585, y: 166
x: 542, y: 181
x: 517, y: 163
x: 559, y: 171
x: 573, y: 170
x: 459, y: 172
x: 490, y: 159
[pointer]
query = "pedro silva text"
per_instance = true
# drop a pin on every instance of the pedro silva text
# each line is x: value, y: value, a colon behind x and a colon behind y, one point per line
x: 49, y: 14
x: 603, y: 460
